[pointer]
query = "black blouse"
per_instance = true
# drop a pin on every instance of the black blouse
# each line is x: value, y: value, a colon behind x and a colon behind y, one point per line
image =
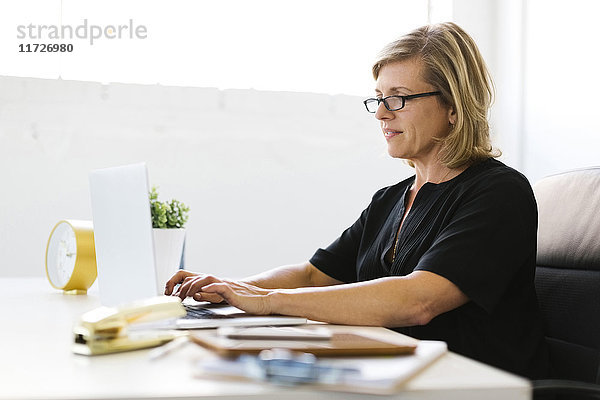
x: 478, y: 230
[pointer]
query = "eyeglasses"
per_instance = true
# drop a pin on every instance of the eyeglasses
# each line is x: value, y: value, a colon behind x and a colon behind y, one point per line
x: 393, y: 103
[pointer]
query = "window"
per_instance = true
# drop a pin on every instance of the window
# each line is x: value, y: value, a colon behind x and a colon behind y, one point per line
x: 309, y: 46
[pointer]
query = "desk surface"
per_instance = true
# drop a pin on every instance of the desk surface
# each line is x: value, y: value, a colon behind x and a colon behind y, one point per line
x: 36, y: 362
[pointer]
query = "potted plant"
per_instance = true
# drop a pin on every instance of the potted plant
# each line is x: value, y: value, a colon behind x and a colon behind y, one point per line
x: 168, y: 222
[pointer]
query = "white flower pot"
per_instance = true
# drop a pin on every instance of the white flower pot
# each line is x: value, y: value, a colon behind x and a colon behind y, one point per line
x: 168, y: 248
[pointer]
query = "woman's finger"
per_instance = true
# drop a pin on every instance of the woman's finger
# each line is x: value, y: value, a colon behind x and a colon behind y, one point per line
x: 195, y: 284
x: 176, y: 279
x: 210, y: 297
x: 185, y: 286
x: 220, y: 289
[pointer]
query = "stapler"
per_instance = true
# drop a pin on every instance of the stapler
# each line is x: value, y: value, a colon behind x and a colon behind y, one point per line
x: 109, y: 330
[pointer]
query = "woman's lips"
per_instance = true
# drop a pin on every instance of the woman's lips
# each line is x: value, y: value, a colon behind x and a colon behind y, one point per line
x: 390, y: 134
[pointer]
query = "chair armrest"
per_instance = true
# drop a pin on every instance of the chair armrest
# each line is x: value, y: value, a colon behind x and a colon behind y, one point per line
x: 547, y: 387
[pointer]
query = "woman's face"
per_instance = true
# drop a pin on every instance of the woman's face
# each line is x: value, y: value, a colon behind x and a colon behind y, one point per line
x: 409, y: 132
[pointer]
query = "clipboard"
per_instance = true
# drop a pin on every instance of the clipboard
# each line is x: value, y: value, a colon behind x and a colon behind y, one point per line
x: 376, y: 375
x: 339, y: 345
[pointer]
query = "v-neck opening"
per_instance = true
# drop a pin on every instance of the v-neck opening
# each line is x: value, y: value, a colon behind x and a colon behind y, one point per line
x: 398, y: 211
x: 399, y: 235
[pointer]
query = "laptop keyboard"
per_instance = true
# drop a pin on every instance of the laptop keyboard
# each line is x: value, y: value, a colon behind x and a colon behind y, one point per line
x: 200, y: 312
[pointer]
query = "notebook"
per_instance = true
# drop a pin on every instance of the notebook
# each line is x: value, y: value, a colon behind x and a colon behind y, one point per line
x: 125, y: 250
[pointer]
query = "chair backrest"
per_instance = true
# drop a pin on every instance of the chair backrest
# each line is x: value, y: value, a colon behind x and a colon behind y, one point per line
x: 568, y: 271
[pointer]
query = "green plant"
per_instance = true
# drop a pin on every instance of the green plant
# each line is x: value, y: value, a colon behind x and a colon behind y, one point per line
x: 168, y: 214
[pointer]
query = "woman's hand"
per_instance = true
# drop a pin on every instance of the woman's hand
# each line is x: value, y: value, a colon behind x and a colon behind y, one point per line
x: 190, y: 285
x: 250, y: 298
x: 203, y: 287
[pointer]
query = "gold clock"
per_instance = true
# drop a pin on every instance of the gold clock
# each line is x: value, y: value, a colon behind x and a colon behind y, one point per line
x: 71, y: 256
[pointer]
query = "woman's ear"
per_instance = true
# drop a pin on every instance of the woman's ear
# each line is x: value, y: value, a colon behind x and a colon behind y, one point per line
x: 452, y: 116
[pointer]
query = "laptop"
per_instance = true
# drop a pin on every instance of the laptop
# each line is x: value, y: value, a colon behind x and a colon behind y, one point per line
x: 125, y: 251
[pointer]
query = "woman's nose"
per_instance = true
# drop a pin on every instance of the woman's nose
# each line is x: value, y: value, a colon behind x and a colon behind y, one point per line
x: 383, y: 113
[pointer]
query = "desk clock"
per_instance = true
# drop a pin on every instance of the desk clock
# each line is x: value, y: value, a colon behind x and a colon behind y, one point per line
x: 71, y: 256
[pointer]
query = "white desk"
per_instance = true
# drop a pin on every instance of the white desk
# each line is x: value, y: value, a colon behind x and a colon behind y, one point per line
x: 36, y: 362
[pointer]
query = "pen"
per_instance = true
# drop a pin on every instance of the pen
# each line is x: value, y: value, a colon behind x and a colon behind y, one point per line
x: 167, y: 348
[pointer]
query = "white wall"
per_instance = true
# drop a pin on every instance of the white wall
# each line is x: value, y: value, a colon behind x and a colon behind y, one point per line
x: 544, y: 58
x: 269, y: 176
x: 562, y: 100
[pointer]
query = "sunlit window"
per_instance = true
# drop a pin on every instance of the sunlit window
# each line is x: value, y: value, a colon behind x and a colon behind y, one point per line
x: 309, y: 46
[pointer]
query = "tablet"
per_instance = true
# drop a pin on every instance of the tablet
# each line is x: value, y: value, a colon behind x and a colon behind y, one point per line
x: 339, y: 344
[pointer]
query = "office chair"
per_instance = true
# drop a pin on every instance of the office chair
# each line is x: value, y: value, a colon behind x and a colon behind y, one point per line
x: 568, y: 282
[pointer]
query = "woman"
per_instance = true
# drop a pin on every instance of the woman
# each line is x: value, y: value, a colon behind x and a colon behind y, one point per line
x: 448, y: 254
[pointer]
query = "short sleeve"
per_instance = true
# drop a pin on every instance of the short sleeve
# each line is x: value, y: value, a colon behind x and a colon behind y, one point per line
x: 338, y: 260
x: 490, y: 237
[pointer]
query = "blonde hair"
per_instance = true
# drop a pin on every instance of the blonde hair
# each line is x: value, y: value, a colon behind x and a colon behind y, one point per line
x: 453, y: 65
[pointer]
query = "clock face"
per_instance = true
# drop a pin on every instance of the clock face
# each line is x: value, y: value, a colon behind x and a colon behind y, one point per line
x: 61, y: 254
